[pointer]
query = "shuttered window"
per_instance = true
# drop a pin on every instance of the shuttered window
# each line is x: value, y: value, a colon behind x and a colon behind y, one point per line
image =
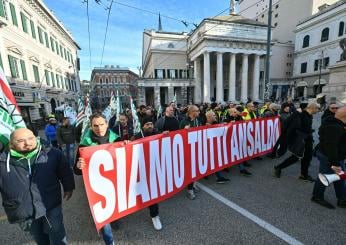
x: 13, y: 14
x: 24, y: 22
x: 33, y: 31
x: 13, y: 66
x: 53, y: 79
x: 46, y: 74
x: 36, y: 74
x: 22, y: 66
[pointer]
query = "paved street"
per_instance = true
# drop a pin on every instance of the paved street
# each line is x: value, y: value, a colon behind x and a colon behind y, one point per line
x: 283, y: 203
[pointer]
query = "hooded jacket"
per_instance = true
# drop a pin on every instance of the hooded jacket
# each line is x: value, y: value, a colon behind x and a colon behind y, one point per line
x: 30, y: 188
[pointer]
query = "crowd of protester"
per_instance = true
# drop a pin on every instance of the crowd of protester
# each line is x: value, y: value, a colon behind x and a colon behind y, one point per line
x: 43, y: 214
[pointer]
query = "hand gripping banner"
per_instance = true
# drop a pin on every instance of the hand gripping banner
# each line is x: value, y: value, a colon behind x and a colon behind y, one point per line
x: 122, y: 179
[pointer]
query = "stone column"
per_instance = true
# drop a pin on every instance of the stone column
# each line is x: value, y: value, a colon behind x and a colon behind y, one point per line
x: 170, y: 94
x: 157, y: 96
x: 255, y: 80
x: 278, y: 92
x: 219, y: 78
x: 206, y: 84
x: 198, y: 81
x: 231, y: 79
x: 244, y: 78
x: 305, y: 92
x: 293, y: 93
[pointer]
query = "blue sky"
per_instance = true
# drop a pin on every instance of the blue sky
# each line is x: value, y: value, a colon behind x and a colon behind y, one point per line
x: 124, y: 39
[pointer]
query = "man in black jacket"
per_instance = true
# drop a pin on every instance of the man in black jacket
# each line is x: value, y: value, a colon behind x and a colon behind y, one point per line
x: 300, y: 141
x: 30, y: 185
x: 330, y: 111
x: 65, y: 135
x: 168, y: 122
x: 123, y: 128
x: 332, y: 154
x: 148, y: 130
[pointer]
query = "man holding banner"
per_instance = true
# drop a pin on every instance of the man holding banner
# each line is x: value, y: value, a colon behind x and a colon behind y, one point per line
x: 98, y: 134
x: 189, y: 122
x: 148, y: 130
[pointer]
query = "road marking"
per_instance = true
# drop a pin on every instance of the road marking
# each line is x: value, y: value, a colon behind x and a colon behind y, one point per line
x: 265, y: 225
x: 3, y: 218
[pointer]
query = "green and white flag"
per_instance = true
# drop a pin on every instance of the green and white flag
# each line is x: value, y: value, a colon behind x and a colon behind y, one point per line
x: 10, y: 117
x: 136, y: 124
x: 70, y: 113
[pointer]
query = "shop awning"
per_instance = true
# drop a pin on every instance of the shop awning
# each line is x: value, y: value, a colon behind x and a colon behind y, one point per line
x: 28, y: 104
x: 302, y: 84
x: 321, y: 81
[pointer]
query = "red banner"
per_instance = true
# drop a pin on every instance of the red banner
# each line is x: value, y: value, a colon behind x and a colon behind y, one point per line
x: 122, y: 179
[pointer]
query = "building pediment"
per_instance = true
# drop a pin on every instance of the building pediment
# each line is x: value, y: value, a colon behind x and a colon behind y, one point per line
x: 15, y: 50
x: 34, y: 59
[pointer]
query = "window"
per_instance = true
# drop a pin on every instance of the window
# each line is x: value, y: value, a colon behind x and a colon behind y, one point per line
x: 24, y: 22
x: 159, y: 73
x: 276, y: 15
x: 341, y: 28
x: 47, y: 39
x: 57, y: 81
x: 57, y: 47
x: 40, y: 37
x: 22, y: 66
x: 303, y: 67
x: 171, y: 73
x: 61, y: 53
x: 1, y: 65
x: 2, y: 9
x: 325, y: 34
x: 13, y: 14
x: 46, y: 74
x: 306, y: 41
x: 13, y: 66
x: 53, y: 79
x: 33, y: 31
x: 317, y: 65
x: 325, y: 62
x: 66, y: 84
x: 52, y: 44
x: 36, y: 74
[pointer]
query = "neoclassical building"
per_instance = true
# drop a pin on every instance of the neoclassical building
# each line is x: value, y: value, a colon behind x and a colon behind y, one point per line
x: 221, y: 60
x: 39, y: 57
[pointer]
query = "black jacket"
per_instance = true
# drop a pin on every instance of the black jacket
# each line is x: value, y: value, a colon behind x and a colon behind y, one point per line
x: 66, y: 135
x: 327, y: 113
x: 333, y: 140
x: 167, y: 124
x: 118, y: 129
x: 25, y: 197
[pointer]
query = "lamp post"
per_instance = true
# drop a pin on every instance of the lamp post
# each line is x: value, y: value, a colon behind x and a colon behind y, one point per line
x: 269, y: 33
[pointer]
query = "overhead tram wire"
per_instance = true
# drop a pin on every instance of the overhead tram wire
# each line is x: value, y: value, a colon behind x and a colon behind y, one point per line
x: 87, y: 2
x: 104, y: 40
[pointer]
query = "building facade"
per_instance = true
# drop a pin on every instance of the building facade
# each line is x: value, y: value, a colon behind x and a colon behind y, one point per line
x: 317, y: 48
x: 85, y: 87
x: 286, y: 14
x: 112, y: 79
x: 39, y: 57
x: 221, y: 60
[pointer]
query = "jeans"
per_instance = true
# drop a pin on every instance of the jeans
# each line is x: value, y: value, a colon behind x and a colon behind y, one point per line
x: 325, y: 168
x: 107, y: 234
x: 49, y: 229
x: 69, y: 152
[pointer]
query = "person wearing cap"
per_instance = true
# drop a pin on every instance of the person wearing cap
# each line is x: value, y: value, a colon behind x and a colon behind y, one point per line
x: 50, y: 132
x: 32, y: 177
x: 148, y: 130
x: 66, y: 138
x: 273, y: 110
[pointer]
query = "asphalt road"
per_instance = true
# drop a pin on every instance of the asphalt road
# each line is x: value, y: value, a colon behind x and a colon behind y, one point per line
x: 283, y: 204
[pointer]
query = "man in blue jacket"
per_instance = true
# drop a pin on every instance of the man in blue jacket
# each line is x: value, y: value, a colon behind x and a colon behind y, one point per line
x: 34, y: 201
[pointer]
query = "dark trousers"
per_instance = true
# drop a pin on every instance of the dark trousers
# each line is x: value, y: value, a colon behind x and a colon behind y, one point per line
x: 325, y: 168
x: 154, y: 210
x: 281, y: 146
x: 305, y: 161
x: 190, y: 186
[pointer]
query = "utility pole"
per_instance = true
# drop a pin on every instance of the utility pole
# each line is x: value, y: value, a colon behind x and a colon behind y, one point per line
x: 269, y: 34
